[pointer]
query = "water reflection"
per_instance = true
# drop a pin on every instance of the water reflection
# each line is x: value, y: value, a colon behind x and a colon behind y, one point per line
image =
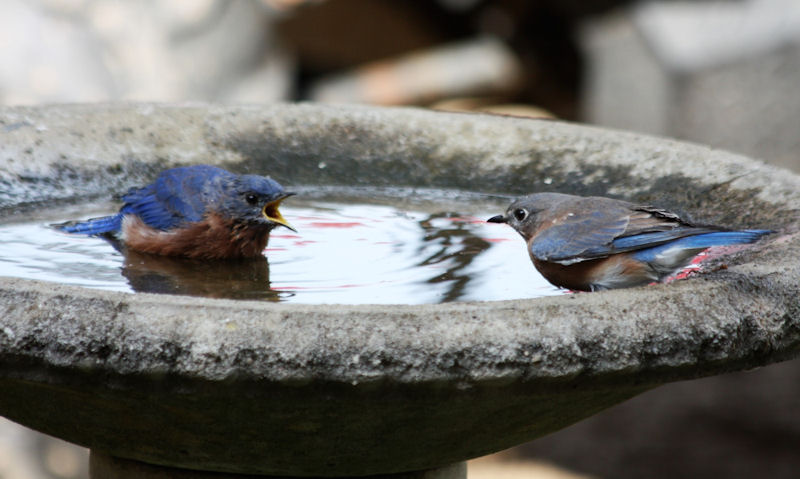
x: 449, y: 241
x: 233, y: 279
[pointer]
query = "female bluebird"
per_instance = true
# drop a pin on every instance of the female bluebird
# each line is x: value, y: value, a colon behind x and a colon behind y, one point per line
x: 594, y: 243
x: 196, y: 211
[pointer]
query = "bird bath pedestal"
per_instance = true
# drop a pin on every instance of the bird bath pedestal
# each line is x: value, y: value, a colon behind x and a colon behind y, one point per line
x: 175, y: 386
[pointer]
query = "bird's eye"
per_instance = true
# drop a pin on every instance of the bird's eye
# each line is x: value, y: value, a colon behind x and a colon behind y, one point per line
x: 520, y: 214
x: 251, y: 199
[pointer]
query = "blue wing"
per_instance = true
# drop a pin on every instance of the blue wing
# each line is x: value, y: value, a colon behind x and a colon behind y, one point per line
x: 178, y: 196
x: 651, y: 248
x: 579, y: 236
x: 553, y: 246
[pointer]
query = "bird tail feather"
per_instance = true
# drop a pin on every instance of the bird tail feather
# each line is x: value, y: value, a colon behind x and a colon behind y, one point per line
x: 94, y: 226
x: 721, y: 238
x: 665, y: 259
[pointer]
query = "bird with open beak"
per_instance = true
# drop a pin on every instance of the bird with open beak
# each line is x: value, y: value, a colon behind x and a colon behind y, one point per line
x: 198, y: 211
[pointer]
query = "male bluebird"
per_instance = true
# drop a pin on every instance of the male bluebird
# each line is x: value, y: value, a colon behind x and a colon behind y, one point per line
x: 594, y: 243
x: 196, y: 211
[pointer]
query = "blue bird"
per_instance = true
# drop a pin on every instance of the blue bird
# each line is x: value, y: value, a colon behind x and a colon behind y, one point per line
x: 198, y: 211
x: 595, y: 243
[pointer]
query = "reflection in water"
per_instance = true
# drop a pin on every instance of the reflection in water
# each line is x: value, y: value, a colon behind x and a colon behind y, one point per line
x: 233, y: 279
x: 455, y: 247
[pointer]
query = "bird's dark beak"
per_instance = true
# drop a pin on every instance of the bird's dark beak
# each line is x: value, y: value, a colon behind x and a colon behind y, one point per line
x: 497, y: 219
x: 271, y: 212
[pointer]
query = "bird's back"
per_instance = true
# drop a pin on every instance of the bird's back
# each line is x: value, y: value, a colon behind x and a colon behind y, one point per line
x: 178, y: 196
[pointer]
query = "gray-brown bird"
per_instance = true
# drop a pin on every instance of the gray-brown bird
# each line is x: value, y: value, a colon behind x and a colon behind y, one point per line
x: 596, y: 243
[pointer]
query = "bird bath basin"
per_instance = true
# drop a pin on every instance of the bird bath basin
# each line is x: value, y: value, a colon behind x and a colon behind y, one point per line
x: 153, y: 382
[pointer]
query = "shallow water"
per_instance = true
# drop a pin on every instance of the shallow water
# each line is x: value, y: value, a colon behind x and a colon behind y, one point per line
x: 345, y: 252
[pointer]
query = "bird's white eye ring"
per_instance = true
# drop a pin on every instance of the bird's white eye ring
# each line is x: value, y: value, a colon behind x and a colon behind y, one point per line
x: 520, y: 214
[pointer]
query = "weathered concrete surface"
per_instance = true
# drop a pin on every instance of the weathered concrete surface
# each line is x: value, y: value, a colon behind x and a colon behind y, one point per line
x: 280, y: 389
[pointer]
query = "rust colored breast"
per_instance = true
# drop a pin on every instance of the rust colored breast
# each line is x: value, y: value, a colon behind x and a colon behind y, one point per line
x: 212, y: 238
x: 576, y: 276
x: 615, y: 271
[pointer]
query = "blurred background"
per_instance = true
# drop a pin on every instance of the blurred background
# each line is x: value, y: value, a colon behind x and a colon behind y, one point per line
x: 721, y: 73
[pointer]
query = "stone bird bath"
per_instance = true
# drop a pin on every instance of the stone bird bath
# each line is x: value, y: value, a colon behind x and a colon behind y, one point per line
x: 155, y: 382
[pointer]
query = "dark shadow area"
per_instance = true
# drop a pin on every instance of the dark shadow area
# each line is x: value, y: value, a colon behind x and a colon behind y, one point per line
x: 737, y: 426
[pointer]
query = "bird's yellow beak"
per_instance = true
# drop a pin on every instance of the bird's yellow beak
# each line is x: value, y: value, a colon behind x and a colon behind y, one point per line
x: 271, y: 212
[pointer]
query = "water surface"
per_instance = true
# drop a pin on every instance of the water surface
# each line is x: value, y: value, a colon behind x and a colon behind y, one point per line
x: 347, y: 251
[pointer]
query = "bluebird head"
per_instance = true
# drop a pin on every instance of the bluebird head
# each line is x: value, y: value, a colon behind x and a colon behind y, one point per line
x: 525, y: 214
x: 255, y: 200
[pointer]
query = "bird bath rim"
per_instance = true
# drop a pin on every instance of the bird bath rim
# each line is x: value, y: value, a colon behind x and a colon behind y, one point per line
x: 497, y: 373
